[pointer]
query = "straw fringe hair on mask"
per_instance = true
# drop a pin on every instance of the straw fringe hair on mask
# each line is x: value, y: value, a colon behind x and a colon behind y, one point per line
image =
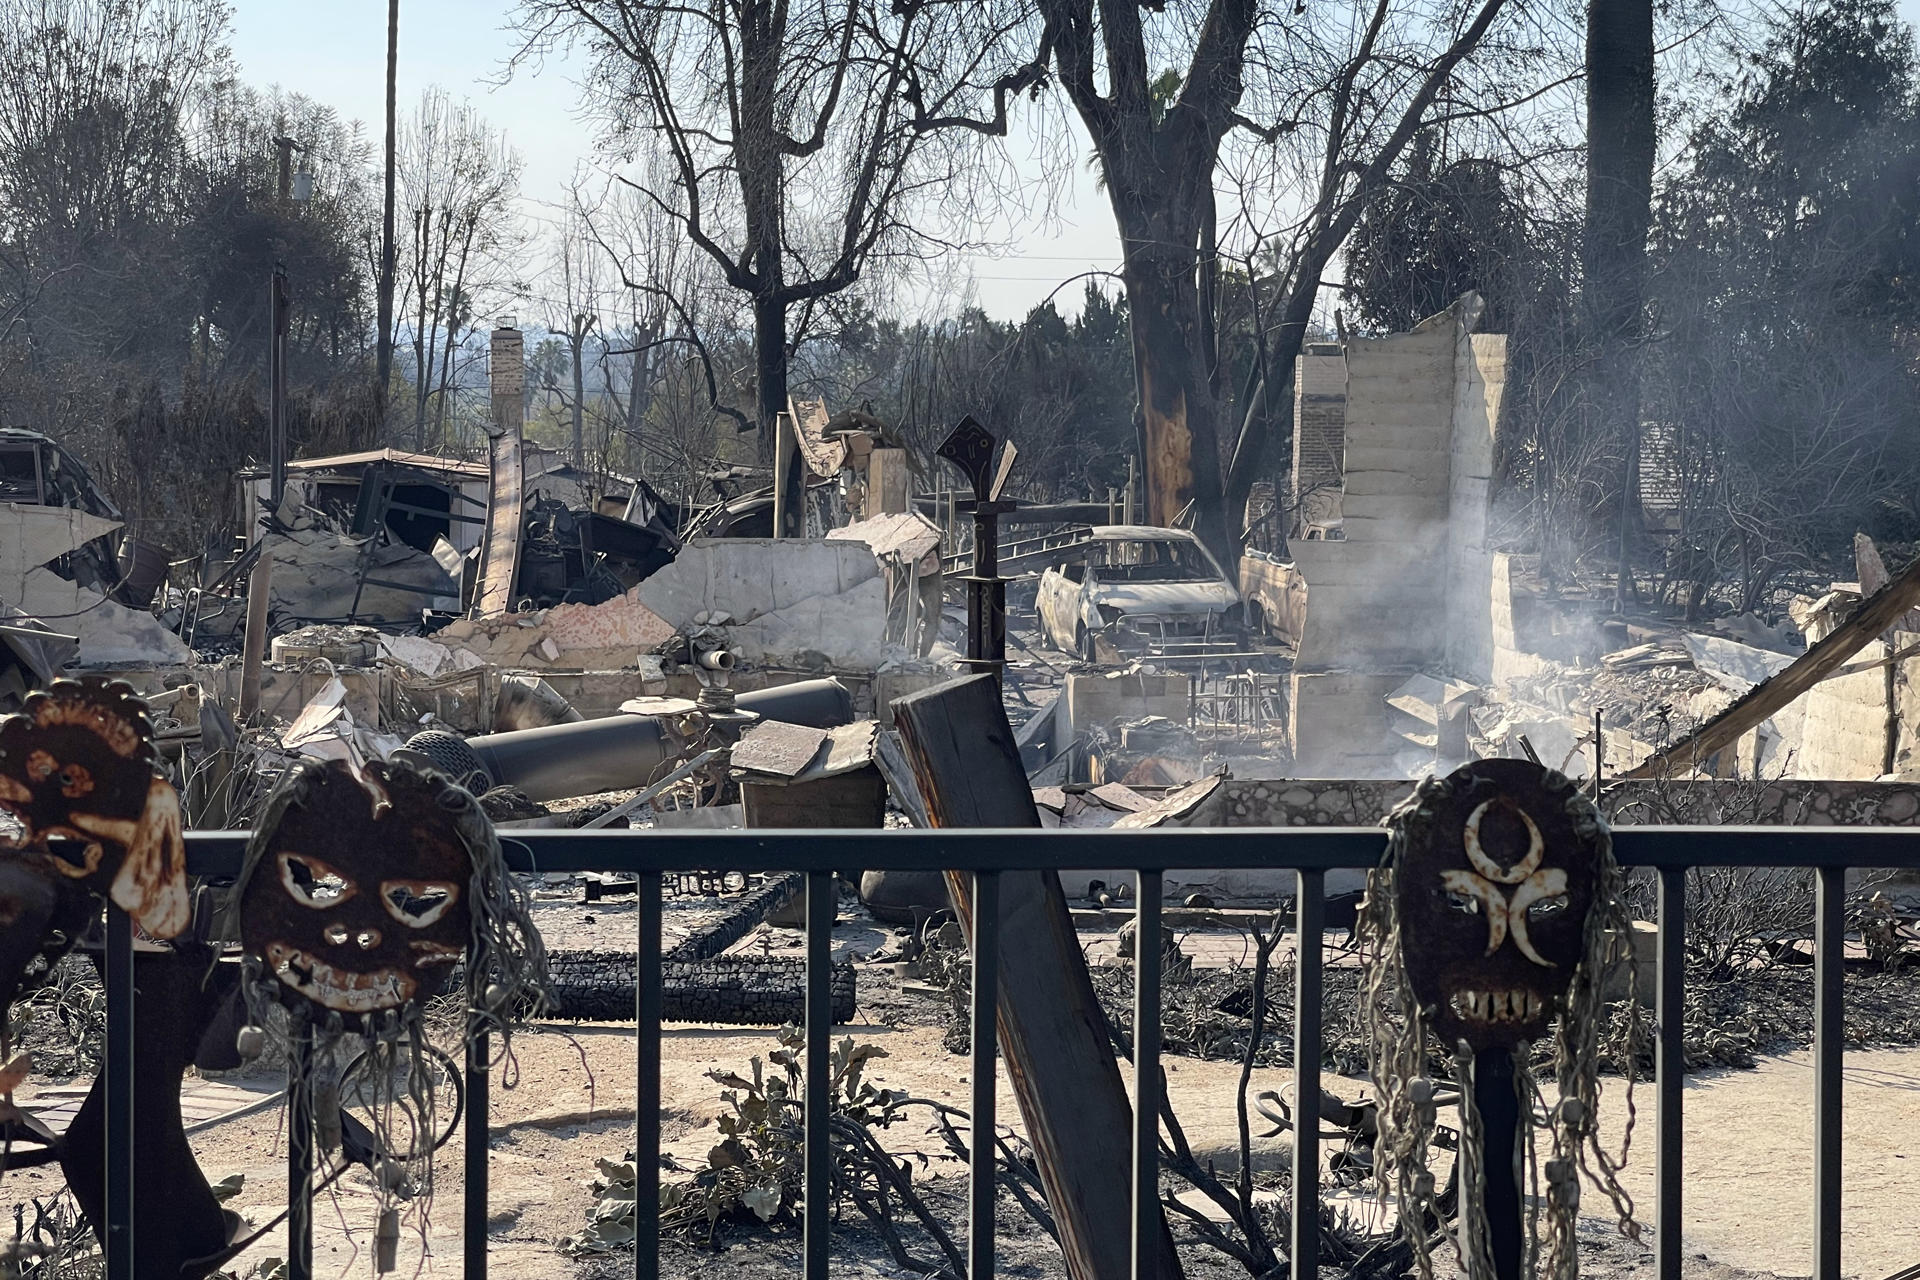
x: 395, y: 1089
x: 1563, y: 1128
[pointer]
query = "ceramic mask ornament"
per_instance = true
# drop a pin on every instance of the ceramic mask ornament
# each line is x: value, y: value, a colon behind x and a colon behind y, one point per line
x: 1494, y: 885
x: 362, y: 890
x: 1497, y: 925
x: 77, y: 762
x: 358, y: 898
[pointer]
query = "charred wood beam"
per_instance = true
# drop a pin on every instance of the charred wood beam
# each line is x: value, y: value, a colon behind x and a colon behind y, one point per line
x: 1824, y: 658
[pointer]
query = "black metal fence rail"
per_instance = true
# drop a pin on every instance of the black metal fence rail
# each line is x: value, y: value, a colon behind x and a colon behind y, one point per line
x: 1310, y: 853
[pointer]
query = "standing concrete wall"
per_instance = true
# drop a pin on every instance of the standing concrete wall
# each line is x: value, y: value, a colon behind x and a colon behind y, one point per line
x: 1374, y: 596
x: 1848, y: 718
x: 1480, y: 379
x: 1408, y: 586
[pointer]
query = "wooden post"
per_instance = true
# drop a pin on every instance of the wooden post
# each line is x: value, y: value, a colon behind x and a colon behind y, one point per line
x: 260, y: 582
x: 500, y: 544
x: 961, y: 751
x: 783, y: 461
x: 1499, y: 1126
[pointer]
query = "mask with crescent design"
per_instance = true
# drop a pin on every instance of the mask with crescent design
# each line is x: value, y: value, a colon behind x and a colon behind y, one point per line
x: 1495, y: 883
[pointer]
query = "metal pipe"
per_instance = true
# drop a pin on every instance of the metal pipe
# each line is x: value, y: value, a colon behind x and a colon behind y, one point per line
x: 479, y: 1138
x: 300, y: 1151
x: 1147, y: 1221
x: 817, y: 1084
x: 122, y: 1258
x: 1310, y: 918
x: 1829, y: 971
x: 1670, y: 1065
x: 647, y: 999
x: 616, y: 752
x: 982, y: 1186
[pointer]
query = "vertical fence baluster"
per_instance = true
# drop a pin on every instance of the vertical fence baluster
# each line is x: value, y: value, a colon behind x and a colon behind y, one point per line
x: 1829, y: 969
x: 1309, y: 910
x: 1146, y: 1077
x: 479, y: 1138
x: 646, y: 1091
x: 120, y: 1134
x: 1669, y: 1068
x: 300, y: 1150
x: 818, y: 1171
x: 985, y: 1045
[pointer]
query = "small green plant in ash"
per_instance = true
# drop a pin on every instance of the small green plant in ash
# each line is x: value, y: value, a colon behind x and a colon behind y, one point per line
x: 754, y: 1173
x: 64, y: 1022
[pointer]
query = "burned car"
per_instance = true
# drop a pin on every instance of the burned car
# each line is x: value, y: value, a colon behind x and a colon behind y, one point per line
x: 1147, y: 590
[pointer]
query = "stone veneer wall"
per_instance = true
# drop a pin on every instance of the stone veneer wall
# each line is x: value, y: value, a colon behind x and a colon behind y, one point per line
x: 1319, y: 434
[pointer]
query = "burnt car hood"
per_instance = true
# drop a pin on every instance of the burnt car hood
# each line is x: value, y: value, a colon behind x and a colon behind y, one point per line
x: 1165, y: 597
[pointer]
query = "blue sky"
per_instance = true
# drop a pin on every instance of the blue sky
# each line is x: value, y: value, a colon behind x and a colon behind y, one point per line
x: 335, y: 52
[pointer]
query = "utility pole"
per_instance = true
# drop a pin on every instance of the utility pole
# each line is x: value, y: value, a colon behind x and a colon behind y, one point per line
x: 260, y: 582
x: 383, y: 347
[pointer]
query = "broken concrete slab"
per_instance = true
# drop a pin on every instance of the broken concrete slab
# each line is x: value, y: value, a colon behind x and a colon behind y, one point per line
x: 1175, y: 809
x: 792, y: 601
x: 907, y: 536
x: 580, y: 637
x: 775, y: 749
x: 787, y: 603
x: 426, y: 657
x: 110, y: 634
x: 31, y: 536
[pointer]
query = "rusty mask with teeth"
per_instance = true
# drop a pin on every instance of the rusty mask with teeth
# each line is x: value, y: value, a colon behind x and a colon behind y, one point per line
x: 1495, y: 881
x: 356, y: 896
x: 77, y: 763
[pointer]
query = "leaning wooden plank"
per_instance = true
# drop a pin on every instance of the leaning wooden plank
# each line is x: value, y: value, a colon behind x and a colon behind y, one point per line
x: 1880, y: 611
x: 1052, y: 1031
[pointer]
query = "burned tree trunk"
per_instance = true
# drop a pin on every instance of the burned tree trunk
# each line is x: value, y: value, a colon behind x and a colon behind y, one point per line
x: 1158, y: 141
x: 1179, y: 410
x: 1620, y: 153
x: 770, y: 362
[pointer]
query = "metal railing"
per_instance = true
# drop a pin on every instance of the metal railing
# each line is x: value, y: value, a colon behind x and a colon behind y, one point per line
x: 1310, y: 853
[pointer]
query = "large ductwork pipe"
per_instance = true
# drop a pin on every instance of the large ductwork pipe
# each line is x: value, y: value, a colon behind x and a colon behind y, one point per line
x: 620, y: 752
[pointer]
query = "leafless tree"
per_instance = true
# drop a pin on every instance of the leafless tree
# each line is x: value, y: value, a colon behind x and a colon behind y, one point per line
x: 574, y: 296
x: 674, y: 352
x: 804, y: 138
x: 93, y: 95
x: 458, y: 181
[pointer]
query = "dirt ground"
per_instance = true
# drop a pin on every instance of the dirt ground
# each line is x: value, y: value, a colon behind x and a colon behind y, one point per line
x: 1749, y: 1184
x: 565, y: 1099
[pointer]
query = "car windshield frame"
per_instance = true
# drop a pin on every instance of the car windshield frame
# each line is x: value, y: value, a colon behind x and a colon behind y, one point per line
x: 1173, y: 560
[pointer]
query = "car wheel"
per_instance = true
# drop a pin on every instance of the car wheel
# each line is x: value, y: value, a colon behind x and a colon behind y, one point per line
x: 1083, y: 643
x: 1256, y: 618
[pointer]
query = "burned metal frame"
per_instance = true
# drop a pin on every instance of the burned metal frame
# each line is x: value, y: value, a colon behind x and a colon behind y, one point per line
x: 1310, y: 852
